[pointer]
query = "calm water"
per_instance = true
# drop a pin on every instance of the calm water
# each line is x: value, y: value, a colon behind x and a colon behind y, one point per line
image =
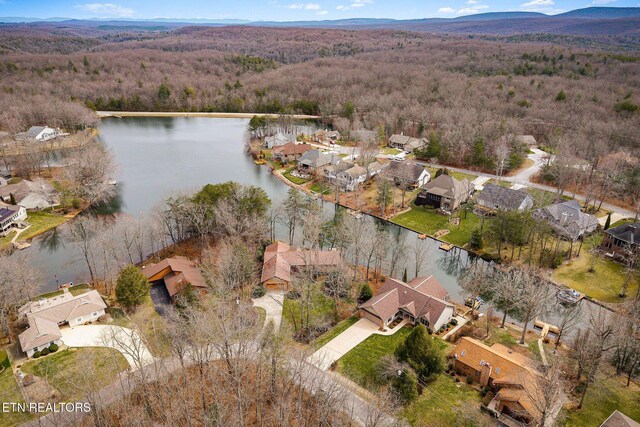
x: 158, y: 157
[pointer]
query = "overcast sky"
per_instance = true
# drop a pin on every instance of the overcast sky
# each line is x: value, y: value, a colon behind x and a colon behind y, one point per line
x: 279, y: 10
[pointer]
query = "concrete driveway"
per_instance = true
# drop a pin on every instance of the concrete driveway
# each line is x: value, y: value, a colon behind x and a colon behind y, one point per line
x: 346, y: 341
x: 272, y: 303
x: 160, y: 297
x: 539, y: 158
x: 126, y: 341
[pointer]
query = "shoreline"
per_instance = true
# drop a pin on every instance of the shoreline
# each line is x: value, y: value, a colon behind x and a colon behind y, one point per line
x: 120, y: 114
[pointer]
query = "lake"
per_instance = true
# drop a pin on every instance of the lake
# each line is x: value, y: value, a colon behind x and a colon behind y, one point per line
x: 158, y: 157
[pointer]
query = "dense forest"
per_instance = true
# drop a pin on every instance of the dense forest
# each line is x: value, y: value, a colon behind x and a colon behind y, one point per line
x: 464, y: 89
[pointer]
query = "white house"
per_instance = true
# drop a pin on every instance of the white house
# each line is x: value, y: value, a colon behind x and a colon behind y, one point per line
x: 10, y: 216
x: 279, y: 139
x: 40, y: 133
x: 47, y: 315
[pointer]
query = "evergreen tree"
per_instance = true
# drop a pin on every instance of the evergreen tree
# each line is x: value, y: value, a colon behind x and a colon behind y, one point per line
x: 607, y: 224
x: 475, y: 242
x: 404, y: 276
x: 132, y: 287
x: 421, y: 353
x: 365, y: 293
x: 442, y: 171
x: 405, y: 387
x: 12, y: 199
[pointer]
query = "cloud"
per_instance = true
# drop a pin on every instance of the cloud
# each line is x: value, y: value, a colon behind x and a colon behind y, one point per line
x: 472, y: 9
x: 354, y: 4
x: 472, y: 1
x: 321, y: 12
x: 546, y: 6
x: 602, y: 1
x: 446, y: 10
x: 106, y: 9
x: 304, y: 6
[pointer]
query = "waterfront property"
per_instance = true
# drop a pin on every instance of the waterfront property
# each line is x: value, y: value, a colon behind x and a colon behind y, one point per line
x: 176, y: 274
x: 423, y: 300
x: 511, y: 375
x: 406, y: 143
x: 11, y: 216
x: 279, y: 139
x: 326, y: 136
x: 31, y: 194
x: 567, y: 219
x: 445, y: 193
x: 281, y: 260
x: 348, y: 176
x: 289, y: 152
x: 314, y: 161
x: 46, y: 315
x: 622, y: 239
x: 39, y: 133
x: 494, y: 198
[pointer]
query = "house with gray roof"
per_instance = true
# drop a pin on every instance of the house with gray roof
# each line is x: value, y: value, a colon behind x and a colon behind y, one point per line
x: 406, y: 143
x: 422, y: 301
x: 496, y: 198
x: 407, y: 173
x: 279, y: 139
x: 618, y: 419
x: 38, y: 194
x: 315, y: 160
x: 622, y: 239
x: 39, y: 133
x: 350, y: 175
x: 567, y: 219
x: 445, y: 193
x: 47, y: 315
x: 11, y: 216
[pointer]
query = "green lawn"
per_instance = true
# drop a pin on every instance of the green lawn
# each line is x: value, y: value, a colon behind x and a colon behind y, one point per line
x: 427, y: 221
x: 65, y: 370
x: 603, y: 397
x: 604, y: 284
x: 334, y: 332
x: 461, y: 175
x: 390, y: 151
x: 40, y: 222
x: 74, y: 290
x: 445, y: 403
x: 322, y: 310
x: 10, y: 392
x: 320, y: 188
x: 294, y: 179
x: 360, y: 364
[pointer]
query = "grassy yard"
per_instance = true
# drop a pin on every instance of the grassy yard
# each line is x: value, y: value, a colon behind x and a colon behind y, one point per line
x: 40, y: 222
x: 74, y: 290
x: 67, y: 369
x: 334, y: 332
x: 390, y: 151
x: 294, y: 179
x: 320, y: 188
x: 360, y: 363
x: 322, y: 310
x: 10, y: 392
x: 151, y: 324
x: 604, y: 284
x: 444, y: 403
x: 603, y: 397
x: 427, y: 221
x: 461, y: 175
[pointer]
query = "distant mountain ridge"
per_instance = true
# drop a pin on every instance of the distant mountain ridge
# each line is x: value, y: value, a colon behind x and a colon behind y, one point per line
x: 590, y: 21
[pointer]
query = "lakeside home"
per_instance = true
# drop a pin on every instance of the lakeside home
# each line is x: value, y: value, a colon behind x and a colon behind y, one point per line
x: 445, y: 193
x: 175, y: 274
x: 11, y: 216
x: 33, y: 195
x: 567, y: 219
x: 39, y: 133
x: 495, y: 197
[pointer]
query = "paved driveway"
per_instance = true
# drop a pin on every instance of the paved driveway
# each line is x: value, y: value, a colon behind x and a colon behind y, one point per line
x: 272, y: 303
x: 126, y: 341
x: 160, y: 297
x: 343, y: 343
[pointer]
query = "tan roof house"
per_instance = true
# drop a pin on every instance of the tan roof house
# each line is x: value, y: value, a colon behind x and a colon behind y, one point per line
x: 280, y: 260
x: 445, y: 192
x: 47, y: 315
x: 31, y: 194
x: 406, y: 143
x: 423, y: 300
x: 289, y: 152
x: 512, y: 375
x: 618, y: 419
x: 176, y: 273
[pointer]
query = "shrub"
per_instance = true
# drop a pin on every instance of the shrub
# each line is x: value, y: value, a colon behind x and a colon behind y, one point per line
x: 454, y: 322
x: 452, y: 373
x: 421, y: 353
x: 405, y: 387
x: 53, y: 347
x: 44, y: 351
x: 469, y: 379
x: 561, y: 96
x: 365, y: 293
x: 258, y: 292
x: 36, y: 355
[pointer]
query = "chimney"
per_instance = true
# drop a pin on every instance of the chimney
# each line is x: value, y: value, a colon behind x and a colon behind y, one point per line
x: 485, y: 373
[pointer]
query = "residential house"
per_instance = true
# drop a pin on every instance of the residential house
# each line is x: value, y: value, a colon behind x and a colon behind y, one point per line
x: 47, y: 315
x: 281, y: 260
x: 39, y: 133
x: 618, y: 419
x: 406, y: 143
x: 407, y: 173
x: 326, y: 136
x: 622, y: 239
x: 423, y: 300
x: 445, y: 193
x: 350, y: 175
x: 314, y: 161
x: 567, y: 219
x: 496, y: 198
x: 176, y: 274
x: 279, y: 139
x: 289, y: 152
x: 11, y: 216
x: 31, y: 194
x: 511, y: 375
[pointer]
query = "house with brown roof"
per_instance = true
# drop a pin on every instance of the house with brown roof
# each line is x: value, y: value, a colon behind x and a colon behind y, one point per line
x: 445, y: 193
x: 47, y: 315
x: 423, y: 300
x: 175, y: 274
x: 290, y: 152
x: 281, y: 260
x: 511, y: 375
